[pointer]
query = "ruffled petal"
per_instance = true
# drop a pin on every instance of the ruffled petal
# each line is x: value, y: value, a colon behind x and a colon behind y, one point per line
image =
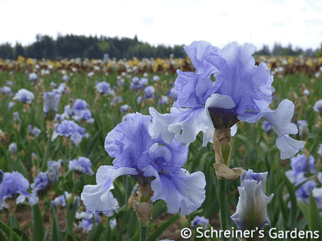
x: 288, y: 146
x: 98, y: 197
x: 251, y: 209
x: 191, y: 122
x: 191, y: 88
x: 128, y: 140
x: 181, y: 190
x: 197, y: 51
x: 280, y: 119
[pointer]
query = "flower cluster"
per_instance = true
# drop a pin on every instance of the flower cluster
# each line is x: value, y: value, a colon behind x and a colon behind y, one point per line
x: 241, y: 92
x: 82, y: 165
x: 70, y: 129
x: 15, y: 185
x: 151, y: 162
x: 24, y: 96
x: 301, y: 167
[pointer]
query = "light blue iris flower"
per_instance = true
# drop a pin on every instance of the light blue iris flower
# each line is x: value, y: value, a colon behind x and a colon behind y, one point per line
x: 51, y: 101
x: 251, y: 212
x: 15, y: 184
x: 82, y: 164
x: 149, y: 161
x: 241, y: 92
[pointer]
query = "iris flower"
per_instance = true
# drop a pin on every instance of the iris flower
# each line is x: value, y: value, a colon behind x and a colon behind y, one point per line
x: 251, y: 212
x: 15, y: 185
x: 24, y: 96
x: 151, y: 162
x: 241, y: 92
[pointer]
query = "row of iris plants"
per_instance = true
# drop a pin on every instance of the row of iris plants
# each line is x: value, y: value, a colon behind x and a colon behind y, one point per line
x: 127, y: 157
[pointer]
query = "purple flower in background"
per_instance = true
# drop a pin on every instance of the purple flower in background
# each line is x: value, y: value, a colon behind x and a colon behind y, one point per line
x: 266, y: 126
x: 40, y: 184
x: 1, y: 176
x: 24, y: 96
x: 33, y: 77
x: 80, y: 105
x: 13, y: 148
x: 171, y: 93
x: 143, y: 82
x: 6, y: 90
x: 9, y: 83
x: 299, y: 163
x: 87, y: 220
x: 241, y: 92
x: 303, y: 192
x: 70, y: 129
x: 199, y: 221
x: 303, y: 127
x: 83, y: 165
x: 164, y: 100
x: 318, y: 106
x: 320, y: 150
x: 125, y: 108
x: 116, y: 100
x: 34, y: 131
x: 15, y: 184
x: 149, y: 161
x: 104, y: 88
x: 155, y: 78
x: 53, y: 171
x: 65, y: 78
x: 53, y: 85
x: 51, y: 102
x: 251, y: 212
x: 149, y: 91
x: 11, y: 104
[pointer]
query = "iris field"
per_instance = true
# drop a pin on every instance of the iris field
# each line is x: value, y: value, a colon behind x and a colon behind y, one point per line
x: 52, y: 146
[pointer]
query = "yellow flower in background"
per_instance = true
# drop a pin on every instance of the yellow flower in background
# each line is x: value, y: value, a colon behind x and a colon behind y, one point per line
x: 109, y: 64
x: 136, y: 62
x: 58, y: 64
x: 269, y: 65
x: 309, y: 63
x: 20, y: 59
x: 30, y: 61
x: 320, y: 60
x: 188, y: 59
x: 291, y: 60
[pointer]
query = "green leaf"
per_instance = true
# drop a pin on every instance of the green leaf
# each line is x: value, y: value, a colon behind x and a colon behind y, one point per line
x: 291, y: 191
x: 39, y: 231
x: 96, y: 233
x: 305, y: 210
x: 55, y: 231
x: 157, y: 233
x: 10, y: 232
x: 315, y: 222
x: 71, y: 215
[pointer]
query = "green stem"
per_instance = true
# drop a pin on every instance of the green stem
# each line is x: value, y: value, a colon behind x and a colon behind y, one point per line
x: 223, y: 206
x: 144, y: 230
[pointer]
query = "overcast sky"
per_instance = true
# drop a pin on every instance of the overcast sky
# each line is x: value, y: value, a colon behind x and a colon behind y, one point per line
x: 167, y: 22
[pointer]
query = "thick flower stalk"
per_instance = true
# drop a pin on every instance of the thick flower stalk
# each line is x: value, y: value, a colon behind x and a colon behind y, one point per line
x: 155, y: 164
x: 241, y: 92
x: 251, y: 213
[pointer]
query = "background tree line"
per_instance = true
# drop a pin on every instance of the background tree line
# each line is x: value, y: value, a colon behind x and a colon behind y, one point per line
x: 79, y: 46
x: 75, y: 46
